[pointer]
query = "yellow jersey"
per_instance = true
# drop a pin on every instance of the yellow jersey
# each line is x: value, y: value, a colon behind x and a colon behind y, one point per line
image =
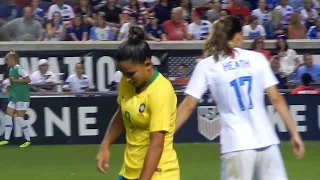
x: 152, y: 110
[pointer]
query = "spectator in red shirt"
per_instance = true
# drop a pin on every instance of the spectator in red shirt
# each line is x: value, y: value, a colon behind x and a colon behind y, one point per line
x: 135, y: 7
x: 258, y: 46
x: 176, y: 27
x: 305, y: 88
x: 237, y: 9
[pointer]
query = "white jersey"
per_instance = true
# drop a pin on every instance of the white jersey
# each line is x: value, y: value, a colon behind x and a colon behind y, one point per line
x: 237, y: 86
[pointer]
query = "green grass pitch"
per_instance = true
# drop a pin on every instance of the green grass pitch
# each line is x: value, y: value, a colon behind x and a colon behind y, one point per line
x: 77, y: 162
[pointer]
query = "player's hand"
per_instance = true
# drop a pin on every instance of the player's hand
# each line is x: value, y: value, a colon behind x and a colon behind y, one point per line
x: 103, y: 160
x: 297, y: 146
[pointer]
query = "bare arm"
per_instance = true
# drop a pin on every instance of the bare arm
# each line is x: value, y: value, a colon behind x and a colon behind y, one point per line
x: 73, y: 37
x: 281, y: 106
x: 25, y: 80
x: 153, y: 155
x: 114, y: 130
x: 84, y: 36
x: 184, y: 111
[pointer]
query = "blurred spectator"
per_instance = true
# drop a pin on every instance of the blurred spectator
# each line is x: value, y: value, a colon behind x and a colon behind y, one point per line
x: 113, y: 14
x: 308, y: 14
x: 253, y: 30
x: 314, y: 31
x: 154, y: 30
x: 65, y: 10
x: 305, y: 87
x: 148, y: 4
x: 288, y: 57
x: 282, y: 78
x: 78, y: 82
x: 97, y: 4
x: 86, y: 12
x: 225, y: 3
x: 199, y: 29
x: 262, y: 13
x: 25, y: 28
x: 162, y: 11
x: 182, y: 75
x: 124, y: 31
x: 9, y: 11
x: 176, y: 27
x: 271, y: 4
x: 102, y: 32
x: 22, y: 3
x: 44, y: 76
x: 38, y: 13
x: 78, y: 31
x: 207, y: 4
x: 258, y: 46
x: 122, y: 3
x: 224, y: 12
x: 274, y: 27
x: 186, y: 8
x: 4, y: 35
x: 309, y: 67
x: 135, y: 7
x: 55, y: 30
x: 236, y: 8
x: 296, y: 30
x: 214, y: 13
x: 182, y: 71
x: 286, y: 11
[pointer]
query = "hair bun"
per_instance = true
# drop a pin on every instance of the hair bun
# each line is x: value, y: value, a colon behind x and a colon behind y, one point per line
x: 136, y: 34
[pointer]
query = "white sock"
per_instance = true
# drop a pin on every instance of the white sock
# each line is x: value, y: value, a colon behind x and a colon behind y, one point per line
x: 8, y: 127
x: 24, y: 127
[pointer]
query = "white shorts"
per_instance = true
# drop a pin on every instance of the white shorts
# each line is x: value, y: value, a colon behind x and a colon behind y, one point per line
x: 261, y: 164
x: 19, y: 105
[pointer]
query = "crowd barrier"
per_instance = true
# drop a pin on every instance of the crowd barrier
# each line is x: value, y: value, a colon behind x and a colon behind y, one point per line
x: 99, y: 62
x: 75, y: 119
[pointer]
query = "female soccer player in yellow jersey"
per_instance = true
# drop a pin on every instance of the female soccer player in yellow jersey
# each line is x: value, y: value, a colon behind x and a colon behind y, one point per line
x: 147, y: 112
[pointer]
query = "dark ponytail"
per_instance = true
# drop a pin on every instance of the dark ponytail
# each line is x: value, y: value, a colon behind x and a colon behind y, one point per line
x: 135, y: 48
x: 219, y: 42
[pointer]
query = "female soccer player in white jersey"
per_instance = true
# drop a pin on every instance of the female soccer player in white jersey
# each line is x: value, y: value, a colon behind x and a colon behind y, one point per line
x: 237, y: 80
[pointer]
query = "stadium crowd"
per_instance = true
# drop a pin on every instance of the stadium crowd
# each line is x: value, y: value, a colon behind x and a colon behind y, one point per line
x: 109, y: 20
x: 82, y: 20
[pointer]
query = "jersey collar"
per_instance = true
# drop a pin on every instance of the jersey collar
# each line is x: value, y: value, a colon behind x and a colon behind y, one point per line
x: 154, y: 76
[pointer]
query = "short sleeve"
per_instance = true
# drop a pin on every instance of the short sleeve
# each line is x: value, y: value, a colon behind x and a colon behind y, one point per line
x: 245, y: 31
x: 267, y: 75
x: 190, y: 28
x: 50, y: 13
x: 161, y: 29
x: 23, y: 73
x: 85, y: 29
x: 117, y: 76
x: 67, y: 82
x: 262, y: 30
x: 70, y: 30
x: 197, y: 85
x: 162, y: 106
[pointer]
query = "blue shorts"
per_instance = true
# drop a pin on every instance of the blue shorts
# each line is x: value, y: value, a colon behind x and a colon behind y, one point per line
x: 121, y: 178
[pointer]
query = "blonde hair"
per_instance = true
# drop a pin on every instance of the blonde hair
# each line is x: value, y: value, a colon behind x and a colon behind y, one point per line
x: 276, y: 17
x: 295, y: 20
x: 12, y: 54
x: 220, y: 40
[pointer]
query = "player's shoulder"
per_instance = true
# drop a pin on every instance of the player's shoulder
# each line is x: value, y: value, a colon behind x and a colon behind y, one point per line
x: 206, y: 62
x: 162, y: 85
x: 252, y: 55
